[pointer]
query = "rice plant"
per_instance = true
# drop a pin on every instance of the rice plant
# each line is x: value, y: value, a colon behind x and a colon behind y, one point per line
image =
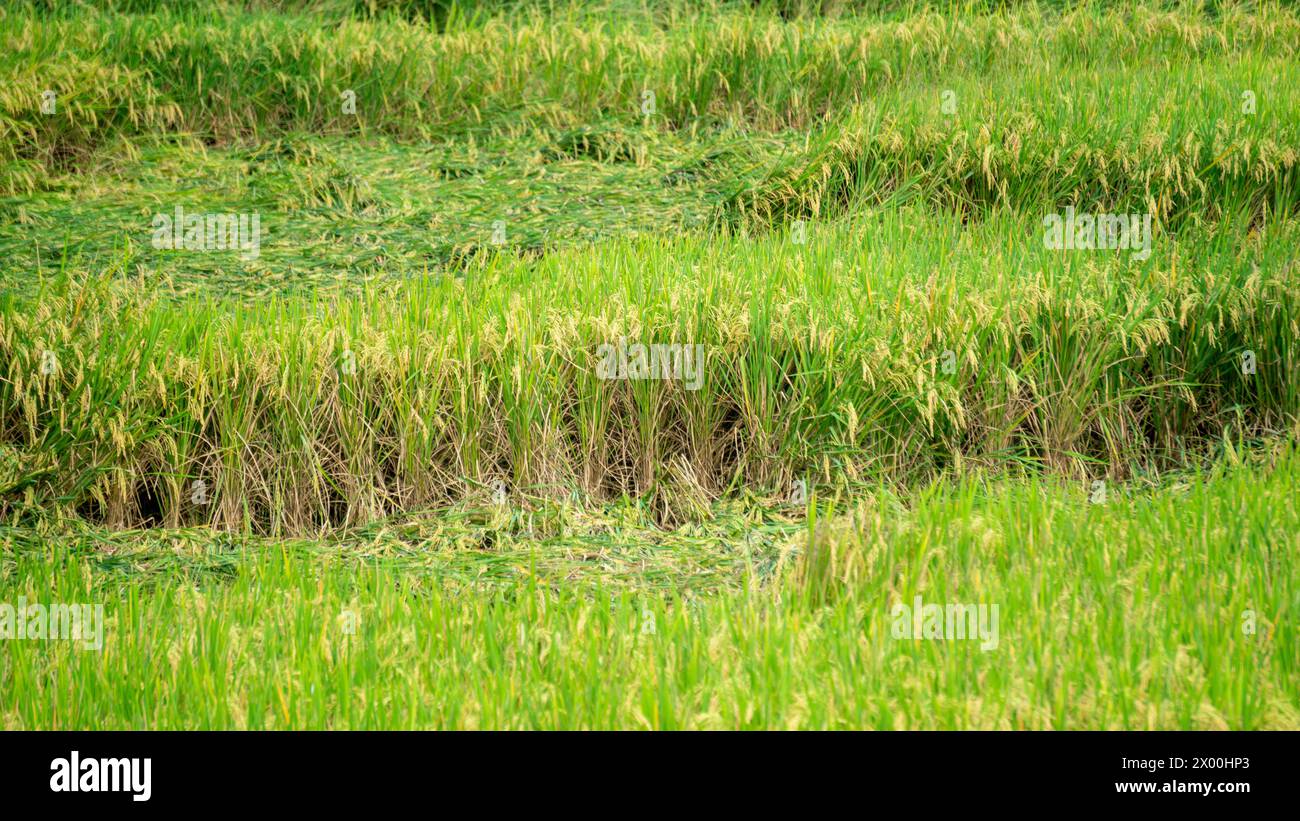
x: 651, y: 364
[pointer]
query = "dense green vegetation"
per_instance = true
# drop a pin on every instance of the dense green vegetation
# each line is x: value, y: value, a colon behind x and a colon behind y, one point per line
x: 820, y: 360
x: 389, y: 400
x: 1155, y: 610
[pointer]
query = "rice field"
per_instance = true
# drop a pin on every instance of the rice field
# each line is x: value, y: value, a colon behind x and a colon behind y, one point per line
x: 1129, y: 614
x: 650, y: 364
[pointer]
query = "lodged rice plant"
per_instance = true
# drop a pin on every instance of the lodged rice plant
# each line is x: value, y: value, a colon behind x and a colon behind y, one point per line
x: 1127, y: 615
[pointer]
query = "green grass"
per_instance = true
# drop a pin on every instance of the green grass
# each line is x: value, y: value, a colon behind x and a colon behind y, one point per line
x: 388, y: 411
